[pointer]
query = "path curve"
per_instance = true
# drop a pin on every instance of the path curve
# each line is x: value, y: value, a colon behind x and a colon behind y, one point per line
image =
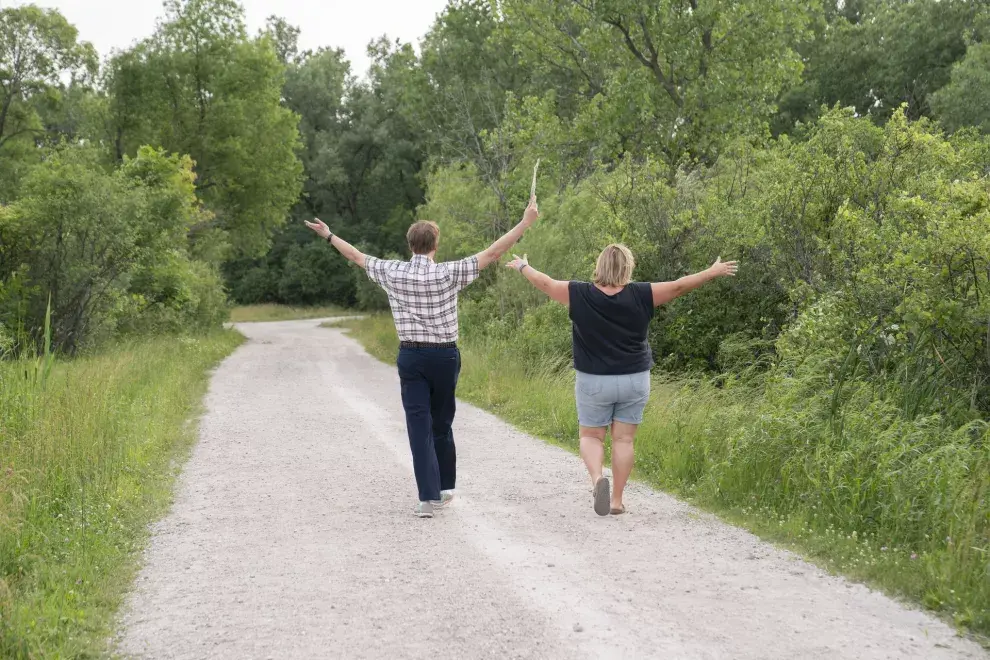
x: 292, y: 536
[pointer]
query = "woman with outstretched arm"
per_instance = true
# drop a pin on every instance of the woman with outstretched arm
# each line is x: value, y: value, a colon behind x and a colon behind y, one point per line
x: 612, y: 358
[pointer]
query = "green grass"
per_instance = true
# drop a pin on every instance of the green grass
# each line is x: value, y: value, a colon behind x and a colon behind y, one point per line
x: 89, y: 449
x: 903, y: 508
x: 269, y: 312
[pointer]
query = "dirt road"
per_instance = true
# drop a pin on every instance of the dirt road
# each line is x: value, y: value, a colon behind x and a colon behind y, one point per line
x: 292, y: 536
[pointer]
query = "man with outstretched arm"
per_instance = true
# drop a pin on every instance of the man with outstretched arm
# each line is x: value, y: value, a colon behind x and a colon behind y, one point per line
x: 423, y: 298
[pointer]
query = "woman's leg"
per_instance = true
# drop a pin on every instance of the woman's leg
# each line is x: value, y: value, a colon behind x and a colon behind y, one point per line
x: 623, y: 458
x: 593, y: 450
x: 634, y: 394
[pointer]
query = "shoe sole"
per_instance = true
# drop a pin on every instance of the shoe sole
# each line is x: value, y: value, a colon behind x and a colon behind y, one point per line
x: 424, y: 515
x: 603, y: 502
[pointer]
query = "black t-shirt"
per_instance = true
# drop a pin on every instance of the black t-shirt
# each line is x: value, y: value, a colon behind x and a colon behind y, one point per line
x: 610, y: 331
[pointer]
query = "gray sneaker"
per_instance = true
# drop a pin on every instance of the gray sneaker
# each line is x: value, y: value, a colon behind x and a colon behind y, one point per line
x: 445, y: 498
x: 424, y: 510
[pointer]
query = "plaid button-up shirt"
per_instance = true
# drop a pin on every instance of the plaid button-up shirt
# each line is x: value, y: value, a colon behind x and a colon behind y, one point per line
x: 423, y: 294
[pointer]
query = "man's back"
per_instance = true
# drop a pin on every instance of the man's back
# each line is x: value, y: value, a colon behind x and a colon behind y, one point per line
x: 423, y: 294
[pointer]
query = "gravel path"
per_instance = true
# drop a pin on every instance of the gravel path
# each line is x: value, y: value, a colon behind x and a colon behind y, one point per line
x: 292, y: 536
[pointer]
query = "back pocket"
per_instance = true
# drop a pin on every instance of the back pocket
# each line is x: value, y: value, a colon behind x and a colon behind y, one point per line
x: 588, y: 384
x: 639, y: 384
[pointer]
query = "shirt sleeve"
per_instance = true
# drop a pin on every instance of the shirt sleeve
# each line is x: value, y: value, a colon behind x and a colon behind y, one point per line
x: 463, y: 272
x: 573, y: 294
x: 646, y: 296
x: 378, y: 269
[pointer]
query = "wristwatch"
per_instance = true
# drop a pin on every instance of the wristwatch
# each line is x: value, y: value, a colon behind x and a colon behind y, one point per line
x: 330, y: 237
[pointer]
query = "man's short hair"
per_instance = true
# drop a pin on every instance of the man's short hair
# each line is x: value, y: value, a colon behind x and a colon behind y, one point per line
x: 423, y: 237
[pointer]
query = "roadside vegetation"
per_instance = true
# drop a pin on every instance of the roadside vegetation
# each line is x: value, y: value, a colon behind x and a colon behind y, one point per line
x: 90, y: 451
x: 836, y: 393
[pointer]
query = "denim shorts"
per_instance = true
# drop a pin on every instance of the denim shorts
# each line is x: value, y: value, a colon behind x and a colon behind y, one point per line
x: 604, y: 399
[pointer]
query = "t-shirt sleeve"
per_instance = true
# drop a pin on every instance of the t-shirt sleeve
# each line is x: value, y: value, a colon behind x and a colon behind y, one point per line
x: 378, y: 269
x: 645, y: 293
x: 573, y: 295
x: 464, y: 271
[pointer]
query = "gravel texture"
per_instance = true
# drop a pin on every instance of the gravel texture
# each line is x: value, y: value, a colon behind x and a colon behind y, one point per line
x: 293, y: 536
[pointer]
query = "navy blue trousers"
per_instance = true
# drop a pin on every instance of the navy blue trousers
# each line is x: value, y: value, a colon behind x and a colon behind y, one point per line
x: 429, y: 380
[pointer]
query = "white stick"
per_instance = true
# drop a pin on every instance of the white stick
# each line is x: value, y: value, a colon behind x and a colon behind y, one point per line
x: 532, y: 191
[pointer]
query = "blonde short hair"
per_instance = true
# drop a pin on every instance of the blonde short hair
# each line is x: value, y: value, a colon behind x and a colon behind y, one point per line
x: 615, y: 266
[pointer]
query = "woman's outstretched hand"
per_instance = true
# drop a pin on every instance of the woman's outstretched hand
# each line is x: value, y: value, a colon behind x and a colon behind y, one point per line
x: 724, y: 268
x: 319, y: 227
x: 518, y: 262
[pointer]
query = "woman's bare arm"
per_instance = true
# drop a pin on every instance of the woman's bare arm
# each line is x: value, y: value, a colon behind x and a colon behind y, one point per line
x: 556, y: 289
x: 664, y: 292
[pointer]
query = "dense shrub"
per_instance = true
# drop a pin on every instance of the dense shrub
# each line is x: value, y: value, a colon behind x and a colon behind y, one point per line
x: 107, y: 247
x: 890, y: 226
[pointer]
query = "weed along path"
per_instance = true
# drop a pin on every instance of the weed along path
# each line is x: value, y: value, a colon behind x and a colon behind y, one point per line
x: 292, y: 536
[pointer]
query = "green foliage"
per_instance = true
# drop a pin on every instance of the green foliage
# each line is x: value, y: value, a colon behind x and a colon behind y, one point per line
x: 38, y: 51
x: 362, y: 161
x: 842, y: 380
x: 876, y: 55
x: 672, y: 78
x: 200, y: 87
x: 457, y: 91
x: 88, y: 450
x: 313, y: 273
x: 106, y: 247
x: 965, y: 101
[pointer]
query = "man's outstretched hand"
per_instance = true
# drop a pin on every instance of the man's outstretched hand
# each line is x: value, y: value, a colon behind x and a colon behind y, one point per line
x: 532, y: 212
x: 319, y: 227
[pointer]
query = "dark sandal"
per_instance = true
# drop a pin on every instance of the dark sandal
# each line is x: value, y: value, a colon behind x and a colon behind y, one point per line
x: 618, y: 511
x: 602, y: 496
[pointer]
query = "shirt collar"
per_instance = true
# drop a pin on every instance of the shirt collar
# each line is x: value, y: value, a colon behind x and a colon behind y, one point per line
x: 420, y: 258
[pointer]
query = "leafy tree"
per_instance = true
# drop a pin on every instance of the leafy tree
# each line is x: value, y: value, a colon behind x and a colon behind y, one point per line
x: 313, y: 274
x: 674, y: 78
x: 314, y: 89
x: 39, y: 49
x: 199, y: 86
x: 876, y: 55
x: 362, y: 160
x: 468, y: 71
x: 965, y: 101
x: 107, y: 247
x: 284, y: 37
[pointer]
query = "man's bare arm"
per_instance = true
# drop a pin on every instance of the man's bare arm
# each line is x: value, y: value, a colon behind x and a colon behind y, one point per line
x: 350, y: 252
x: 504, y: 244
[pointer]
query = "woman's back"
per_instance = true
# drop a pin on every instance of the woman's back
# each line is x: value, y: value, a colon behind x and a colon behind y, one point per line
x: 610, y: 330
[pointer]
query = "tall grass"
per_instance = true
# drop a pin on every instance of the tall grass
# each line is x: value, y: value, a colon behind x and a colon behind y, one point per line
x: 88, y: 452
x: 902, y: 503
